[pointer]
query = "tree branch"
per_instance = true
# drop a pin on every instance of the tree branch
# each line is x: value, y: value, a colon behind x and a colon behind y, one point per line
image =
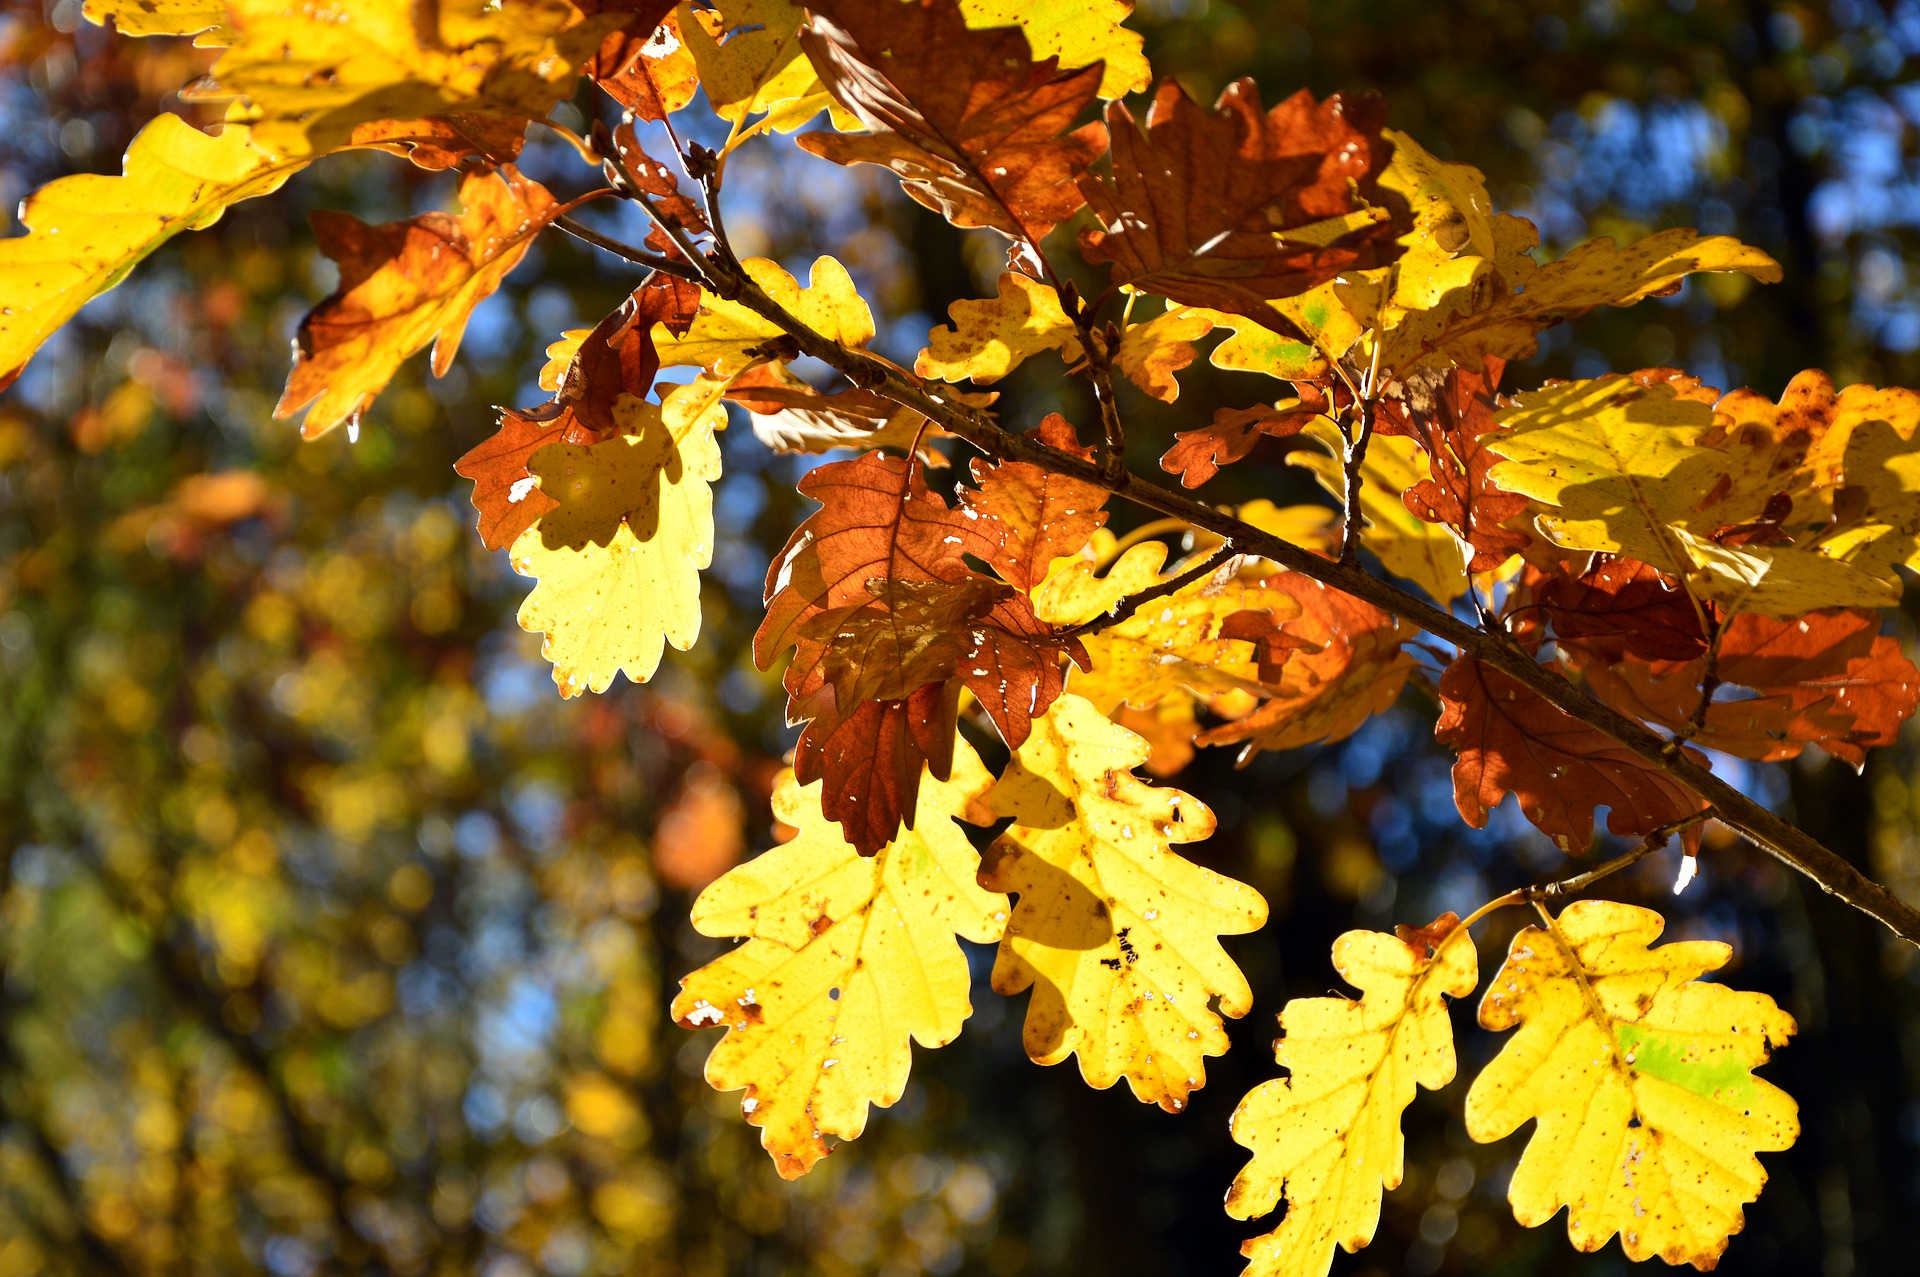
x: 1765, y: 829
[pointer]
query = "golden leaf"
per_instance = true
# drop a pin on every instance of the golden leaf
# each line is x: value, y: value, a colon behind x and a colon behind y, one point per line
x: 205, y: 19
x: 1117, y: 935
x: 1153, y: 350
x: 990, y: 338
x: 1624, y: 468
x: 847, y: 958
x: 90, y: 230
x: 317, y: 77
x: 1640, y: 1081
x: 724, y: 331
x: 1075, y: 31
x: 1327, y: 1136
x: 1171, y: 647
x: 610, y: 608
x: 759, y: 67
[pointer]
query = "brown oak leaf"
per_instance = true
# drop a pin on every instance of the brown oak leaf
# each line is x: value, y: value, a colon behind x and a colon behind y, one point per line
x: 1197, y: 455
x: 1828, y: 678
x: 976, y: 129
x: 1235, y: 207
x: 402, y: 285
x: 617, y: 358
x: 1620, y: 607
x: 1512, y: 741
x: 1461, y: 492
x: 888, y: 622
x: 1041, y: 515
x: 1347, y: 667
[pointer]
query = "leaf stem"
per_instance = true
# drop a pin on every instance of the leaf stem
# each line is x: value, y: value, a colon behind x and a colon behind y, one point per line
x: 1654, y: 842
x: 587, y: 235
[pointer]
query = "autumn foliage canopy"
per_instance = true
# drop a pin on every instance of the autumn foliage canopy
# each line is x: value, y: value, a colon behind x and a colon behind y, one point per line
x: 1596, y: 581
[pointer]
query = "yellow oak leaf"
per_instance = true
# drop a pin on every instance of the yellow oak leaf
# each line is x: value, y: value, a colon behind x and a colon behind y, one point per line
x: 1116, y: 934
x: 1153, y: 350
x: 1624, y: 467
x: 403, y: 285
x: 1075, y: 31
x: 723, y: 332
x: 1172, y: 647
x: 88, y: 231
x: 1502, y: 313
x: 990, y: 338
x: 560, y: 357
x: 1316, y: 527
x: 1639, y: 1079
x: 317, y: 77
x: 1428, y: 554
x: 848, y: 959
x: 1327, y: 1136
x: 750, y: 63
x: 609, y: 608
x: 205, y: 19
x: 1256, y: 348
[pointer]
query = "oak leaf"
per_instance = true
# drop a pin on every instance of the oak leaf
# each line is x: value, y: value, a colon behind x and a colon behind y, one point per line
x: 848, y: 960
x: 1459, y: 490
x: 1639, y: 1079
x: 789, y: 415
x: 462, y: 76
x: 1502, y: 313
x: 990, y: 338
x: 611, y: 608
x: 88, y: 231
x: 1623, y: 467
x: 1206, y: 640
x: 1352, y: 669
x: 650, y: 73
x: 1560, y: 768
x: 1829, y: 679
x: 879, y: 533
x: 203, y: 19
x: 1235, y: 207
x: 1327, y: 1137
x: 402, y: 285
x: 1620, y: 607
x: 1197, y: 455
x: 750, y: 62
x: 995, y: 147
x: 1153, y: 350
x: 1039, y: 516
x: 723, y: 333
x: 1077, y: 32
x: 1115, y: 933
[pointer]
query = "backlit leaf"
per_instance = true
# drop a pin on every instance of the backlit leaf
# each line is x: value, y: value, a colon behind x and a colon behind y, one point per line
x: 990, y: 338
x: 611, y: 608
x: 402, y: 285
x: 1115, y: 933
x: 1639, y: 1079
x: 1327, y: 1137
x: 723, y: 332
x: 1078, y: 32
x: 88, y: 231
x: 848, y: 959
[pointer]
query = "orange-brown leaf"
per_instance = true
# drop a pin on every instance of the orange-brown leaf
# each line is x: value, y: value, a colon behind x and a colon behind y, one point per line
x: 1346, y: 667
x: 1829, y: 679
x: 405, y: 284
x: 976, y: 129
x: 1041, y: 516
x: 1461, y: 493
x: 1197, y: 200
x: 1620, y: 607
x: 1197, y: 455
x: 1560, y: 768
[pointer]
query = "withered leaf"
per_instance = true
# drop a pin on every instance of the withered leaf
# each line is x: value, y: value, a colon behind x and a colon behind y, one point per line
x: 1235, y: 207
x: 1560, y: 768
x: 992, y: 146
x: 1197, y: 455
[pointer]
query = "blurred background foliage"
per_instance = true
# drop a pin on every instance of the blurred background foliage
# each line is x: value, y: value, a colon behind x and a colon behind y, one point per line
x: 332, y: 941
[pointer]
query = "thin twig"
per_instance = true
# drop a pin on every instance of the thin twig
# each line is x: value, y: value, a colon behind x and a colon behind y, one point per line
x: 1356, y: 456
x: 1654, y: 842
x: 639, y: 257
x: 1779, y: 837
x: 1173, y: 585
x: 1709, y: 684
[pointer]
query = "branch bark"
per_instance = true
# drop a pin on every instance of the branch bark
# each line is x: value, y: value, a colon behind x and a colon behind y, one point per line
x: 1765, y: 829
